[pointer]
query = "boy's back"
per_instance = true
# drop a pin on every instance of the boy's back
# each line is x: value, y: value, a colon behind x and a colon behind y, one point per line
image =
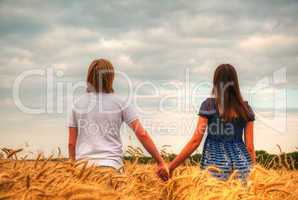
x: 98, y: 117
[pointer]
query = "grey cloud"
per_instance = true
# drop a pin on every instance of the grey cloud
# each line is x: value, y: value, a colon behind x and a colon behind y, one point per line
x: 167, y: 37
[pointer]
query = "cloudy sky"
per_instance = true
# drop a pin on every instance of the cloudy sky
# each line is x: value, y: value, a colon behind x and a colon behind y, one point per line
x: 155, y: 41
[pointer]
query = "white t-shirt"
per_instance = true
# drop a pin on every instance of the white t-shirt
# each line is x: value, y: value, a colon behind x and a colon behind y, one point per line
x: 98, y: 117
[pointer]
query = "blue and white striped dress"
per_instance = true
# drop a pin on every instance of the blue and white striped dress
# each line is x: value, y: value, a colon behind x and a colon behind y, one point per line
x: 224, y: 147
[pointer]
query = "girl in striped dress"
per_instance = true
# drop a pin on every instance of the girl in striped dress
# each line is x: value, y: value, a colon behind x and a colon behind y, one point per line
x: 226, y: 117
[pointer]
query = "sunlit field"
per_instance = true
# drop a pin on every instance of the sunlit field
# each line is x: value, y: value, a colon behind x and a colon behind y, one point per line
x: 57, y: 178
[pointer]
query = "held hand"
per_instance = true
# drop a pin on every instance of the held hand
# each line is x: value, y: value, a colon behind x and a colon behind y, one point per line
x: 163, y: 171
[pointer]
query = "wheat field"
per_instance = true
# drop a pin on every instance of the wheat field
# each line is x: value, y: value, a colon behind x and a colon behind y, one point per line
x: 44, y: 178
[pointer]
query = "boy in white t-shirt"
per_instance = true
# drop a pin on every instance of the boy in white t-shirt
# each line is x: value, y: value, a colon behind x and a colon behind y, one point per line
x: 96, y: 118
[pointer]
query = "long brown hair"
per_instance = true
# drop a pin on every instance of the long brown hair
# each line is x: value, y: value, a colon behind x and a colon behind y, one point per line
x: 226, y: 90
x: 100, y: 76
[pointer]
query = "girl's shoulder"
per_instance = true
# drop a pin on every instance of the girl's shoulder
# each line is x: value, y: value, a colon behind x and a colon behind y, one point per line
x: 208, y: 107
x: 209, y: 103
x: 251, y: 113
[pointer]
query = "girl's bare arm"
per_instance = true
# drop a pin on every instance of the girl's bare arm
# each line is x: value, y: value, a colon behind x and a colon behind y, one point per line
x: 192, y: 144
x: 249, y: 140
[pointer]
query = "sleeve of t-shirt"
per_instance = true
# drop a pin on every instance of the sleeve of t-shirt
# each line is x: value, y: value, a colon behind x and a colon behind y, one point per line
x: 129, y: 114
x: 72, y: 120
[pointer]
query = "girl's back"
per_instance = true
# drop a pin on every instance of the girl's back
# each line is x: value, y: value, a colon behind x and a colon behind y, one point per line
x: 224, y: 146
x: 218, y: 128
x: 227, y: 117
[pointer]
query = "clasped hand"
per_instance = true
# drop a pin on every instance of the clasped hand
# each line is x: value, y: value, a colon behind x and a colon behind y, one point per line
x: 164, y: 171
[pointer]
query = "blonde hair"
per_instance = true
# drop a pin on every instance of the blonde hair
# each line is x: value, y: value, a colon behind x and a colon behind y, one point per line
x: 100, y: 76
